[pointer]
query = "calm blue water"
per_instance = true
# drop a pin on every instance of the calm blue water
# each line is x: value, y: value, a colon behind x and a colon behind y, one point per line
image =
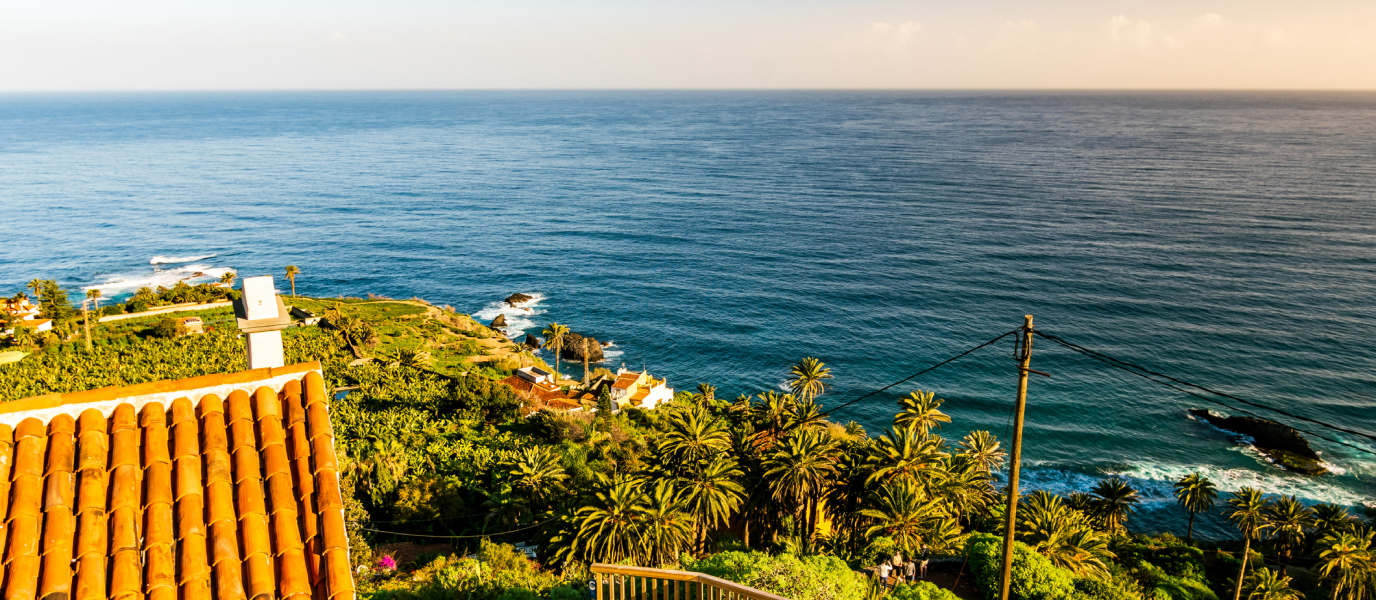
x: 1227, y: 238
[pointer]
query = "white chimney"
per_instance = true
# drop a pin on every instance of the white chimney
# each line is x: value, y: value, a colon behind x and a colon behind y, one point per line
x: 262, y: 317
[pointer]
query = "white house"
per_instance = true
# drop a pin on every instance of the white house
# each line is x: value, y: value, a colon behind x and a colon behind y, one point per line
x: 25, y: 313
x: 639, y: 390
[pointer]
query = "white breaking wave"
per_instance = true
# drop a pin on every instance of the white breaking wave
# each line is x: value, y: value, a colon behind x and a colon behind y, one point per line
x: 608, y: 354
x: 118, y: 284
x: 518, y: 317
x: 167, y: 260
x: 1155, y: 482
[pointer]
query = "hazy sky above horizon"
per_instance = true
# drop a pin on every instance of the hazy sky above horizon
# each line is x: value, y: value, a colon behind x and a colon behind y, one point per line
x: 164, y: 45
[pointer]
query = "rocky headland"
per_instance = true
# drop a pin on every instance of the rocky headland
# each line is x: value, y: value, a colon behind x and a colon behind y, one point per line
x: 1280, y: 443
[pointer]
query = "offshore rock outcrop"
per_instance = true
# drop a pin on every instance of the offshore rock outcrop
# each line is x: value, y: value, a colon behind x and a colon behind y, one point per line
x: 532, y: 342
x: 515, y: 299
x: 1280, y: 443
x: 574, y: 348
x: 498, y: 322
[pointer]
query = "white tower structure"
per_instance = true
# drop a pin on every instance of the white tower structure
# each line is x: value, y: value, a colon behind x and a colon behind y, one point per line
x: 262, y: 317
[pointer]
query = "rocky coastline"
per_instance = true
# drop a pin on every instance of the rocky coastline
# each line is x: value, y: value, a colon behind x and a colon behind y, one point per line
x: 1278, y: 442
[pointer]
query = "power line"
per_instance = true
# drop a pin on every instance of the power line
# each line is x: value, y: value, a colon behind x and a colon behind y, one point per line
x: 479, y: 514
x: 1079, y: 348
x: 457, y: 537
x: 1150, y: 375
x: 922, y: 372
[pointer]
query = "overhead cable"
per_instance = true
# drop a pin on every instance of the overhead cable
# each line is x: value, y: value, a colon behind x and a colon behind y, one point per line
x: 1150, y: 375
x: 457, y: 537
x: 922, y: 372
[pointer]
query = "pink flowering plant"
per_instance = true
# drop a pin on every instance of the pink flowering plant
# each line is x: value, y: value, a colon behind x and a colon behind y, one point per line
x: 387, y: 563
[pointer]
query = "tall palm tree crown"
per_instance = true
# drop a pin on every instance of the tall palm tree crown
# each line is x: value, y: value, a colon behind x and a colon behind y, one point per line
x: 1115, y: 501
x: 807, y: 379
x: 1345, y: 563
x: 292, y: 272
x: 538, y: 473
x: 555, y: 337
x: 1247, y: 510
x: 799, y: 472
x: 1289, y: 520
x: 920, y: 411
x: 1272, y: 585
x: 906, y: 514
x: 694, y: 436
x: 983, y: 449
x: 1196, y: 494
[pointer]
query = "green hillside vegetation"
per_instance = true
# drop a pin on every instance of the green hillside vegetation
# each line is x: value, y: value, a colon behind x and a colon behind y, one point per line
x: 762, y: 489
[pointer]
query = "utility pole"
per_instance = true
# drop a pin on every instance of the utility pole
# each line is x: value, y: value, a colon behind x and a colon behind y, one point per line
x: 1015, y: 461
x: 86, y: 316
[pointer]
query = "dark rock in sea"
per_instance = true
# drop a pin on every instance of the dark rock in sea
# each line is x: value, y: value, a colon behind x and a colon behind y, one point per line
x: 574, y: 348
x: 515, y: 299
x: 1280, y: 443
x: 498, y: 322
x: 532, y: 342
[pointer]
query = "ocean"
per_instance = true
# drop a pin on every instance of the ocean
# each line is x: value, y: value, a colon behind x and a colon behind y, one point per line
x: 1227, y: 239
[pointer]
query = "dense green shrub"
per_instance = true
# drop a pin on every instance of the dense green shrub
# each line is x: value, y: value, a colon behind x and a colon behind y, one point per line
x: 796, y: 578
x: 168, y: 328
x: 1033, y: 577
x: 1093, y: 589
x: 502, y: 573
x: 922, y: 590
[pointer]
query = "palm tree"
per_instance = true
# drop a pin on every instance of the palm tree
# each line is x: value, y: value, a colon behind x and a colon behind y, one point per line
x: 292, y: 272
x: 804, y: 413
x: 555, y: 336
x: 410, y: 357
x: 905, y: 454
x: 94, y: 296
x: 1289, y: 519
x: 609, y: 528
x: 966, y: 486
x: 1115, y: 501
x: 228, y: 278
x: 981, y: 448
x: 1331, y: 518
x: 711, y: 494
x: 1272, y: 585
x: 920, y: 410
x: 1247, y: 510
x: 1196, y: 494
x: 1345, y: 562
x: 808, y: 378
x: 849, y: 492
x: 538, y: 473
x: 1063, y: 535
x: 708, y: 393
x: 37, y: 286
x: 694, y: 436
x: 904, y: 513
x: 667, y: 527
x: 799, y: 472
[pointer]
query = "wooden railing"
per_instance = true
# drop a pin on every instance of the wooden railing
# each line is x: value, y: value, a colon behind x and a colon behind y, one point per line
x: 616, y: 582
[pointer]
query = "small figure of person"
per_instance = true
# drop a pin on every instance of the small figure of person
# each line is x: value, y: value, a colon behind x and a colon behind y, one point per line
x: 923, y: 564
x: 884, y: 569
x: 910, y: 571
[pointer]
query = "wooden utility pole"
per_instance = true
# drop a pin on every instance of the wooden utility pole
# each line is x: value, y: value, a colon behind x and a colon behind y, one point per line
x: 1024, y: 364
x: 586, y: 350
x: 86, y: 316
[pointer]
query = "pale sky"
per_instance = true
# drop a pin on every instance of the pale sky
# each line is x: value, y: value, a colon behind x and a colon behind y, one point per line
x: 409, y: 44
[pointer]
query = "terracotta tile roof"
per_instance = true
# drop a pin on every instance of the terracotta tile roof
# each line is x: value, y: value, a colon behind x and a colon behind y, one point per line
x: 167, y: 491
x: 563, y: 404
x: 539, y: 390
x: 626, y: 380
